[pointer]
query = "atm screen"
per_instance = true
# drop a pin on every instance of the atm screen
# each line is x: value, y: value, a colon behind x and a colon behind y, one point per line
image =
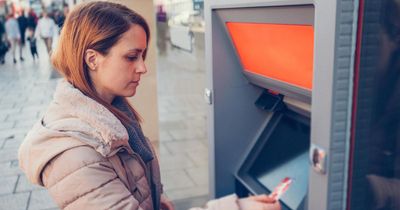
x: 282, y: 52
x: 281, y: 151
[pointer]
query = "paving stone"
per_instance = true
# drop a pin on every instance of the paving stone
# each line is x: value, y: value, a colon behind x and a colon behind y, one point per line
x: 177, y: 194
x: 8, y: 154
x: 24, y: 185
x: 13, y: 143
x: 27, y: 124
x: 185, y: 134
x: 7, y: 184
x: 6, y: 105
x: 171, y: 125
x: 172, y: 117
x: 13, y: 98
x: 2, y: 141
x: 162, y: 149
x: 6, y: 125
x: 165, y: 136
x: 21, y: 117
x: 31, y: 108
x: 18, y: 201
x: 40, y: 199
x: 176, y: 179
x: 8, y: 169
x: 179, y: 161
x: 200, y: 158
x: 12, y: 132
x: 199, y: 175
x: 3, y: 117
x: 189, y: 146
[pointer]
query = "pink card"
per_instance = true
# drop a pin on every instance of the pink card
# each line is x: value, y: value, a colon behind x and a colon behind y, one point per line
x: 282, y: 187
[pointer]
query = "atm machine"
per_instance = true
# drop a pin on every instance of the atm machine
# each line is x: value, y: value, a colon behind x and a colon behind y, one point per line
x: 298, y: 89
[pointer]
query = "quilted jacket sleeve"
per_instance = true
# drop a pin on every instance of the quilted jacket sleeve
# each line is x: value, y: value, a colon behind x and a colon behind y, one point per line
x: 80, y: 178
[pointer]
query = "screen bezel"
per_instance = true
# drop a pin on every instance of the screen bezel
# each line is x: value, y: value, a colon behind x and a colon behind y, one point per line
x: 300, y: 15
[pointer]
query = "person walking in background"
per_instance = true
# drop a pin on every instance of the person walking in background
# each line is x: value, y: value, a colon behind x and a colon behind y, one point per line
x: 32, y: 44
x: 13, y: 35
x: 59, y: 19
x: 23, y: 24
x: 32, y: 20
x: 46, y: 29
x: 3, y: 41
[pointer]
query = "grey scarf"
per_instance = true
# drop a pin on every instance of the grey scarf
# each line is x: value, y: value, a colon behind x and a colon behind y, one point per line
x: 137, y: 140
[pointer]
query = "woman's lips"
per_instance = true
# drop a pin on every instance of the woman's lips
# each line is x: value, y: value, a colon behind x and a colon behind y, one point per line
x: 135, y: 82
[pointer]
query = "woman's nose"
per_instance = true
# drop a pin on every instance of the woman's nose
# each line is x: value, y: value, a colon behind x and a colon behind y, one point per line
x: 141, y: 68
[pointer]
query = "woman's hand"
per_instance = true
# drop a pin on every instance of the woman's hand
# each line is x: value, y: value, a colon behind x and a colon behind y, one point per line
x: 259, y: 202
x: 166, y: 204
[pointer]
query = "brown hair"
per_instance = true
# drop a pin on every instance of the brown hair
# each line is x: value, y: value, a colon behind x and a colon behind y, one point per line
x: 98, y: 26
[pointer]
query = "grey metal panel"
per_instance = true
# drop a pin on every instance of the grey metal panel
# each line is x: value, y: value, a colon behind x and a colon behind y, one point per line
x: 209, y: 85
x: 293, y: 14
x: 324, y: 43
x: 338, y: 92
x: 284, y: 88
x: 234, y: 116
x: 220, y: 4
x: 346, y: 16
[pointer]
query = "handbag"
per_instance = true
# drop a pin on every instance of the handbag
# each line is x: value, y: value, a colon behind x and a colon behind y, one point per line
x: 4, y: 47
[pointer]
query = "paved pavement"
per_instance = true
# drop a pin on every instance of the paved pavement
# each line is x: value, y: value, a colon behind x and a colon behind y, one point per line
x: 183, y: 141
x: 26, y: 89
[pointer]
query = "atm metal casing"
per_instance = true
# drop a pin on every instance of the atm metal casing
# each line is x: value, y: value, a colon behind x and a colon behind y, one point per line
x: 235, y: 122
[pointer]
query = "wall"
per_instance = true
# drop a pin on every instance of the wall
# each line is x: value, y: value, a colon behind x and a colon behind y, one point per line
x: 145, y: 101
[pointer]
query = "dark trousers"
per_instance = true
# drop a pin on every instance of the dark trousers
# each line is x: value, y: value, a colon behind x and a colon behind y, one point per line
x: 34, y: 52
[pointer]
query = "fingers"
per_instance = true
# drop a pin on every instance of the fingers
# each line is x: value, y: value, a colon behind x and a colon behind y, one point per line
x: 258, y: 203
x: 263, y: 198
x: 272, y: 206
x: 167, y: 206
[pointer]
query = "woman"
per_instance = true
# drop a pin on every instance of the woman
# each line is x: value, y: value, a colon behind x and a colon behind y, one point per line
x: 89, y: 150
x: 46, y: 29
x: 13, y: 36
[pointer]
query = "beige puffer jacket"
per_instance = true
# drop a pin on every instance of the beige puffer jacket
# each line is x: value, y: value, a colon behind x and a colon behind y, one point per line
x: 79, y: 151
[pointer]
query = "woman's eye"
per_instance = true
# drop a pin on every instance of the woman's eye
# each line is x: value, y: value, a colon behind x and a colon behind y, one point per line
x: 132, y: 58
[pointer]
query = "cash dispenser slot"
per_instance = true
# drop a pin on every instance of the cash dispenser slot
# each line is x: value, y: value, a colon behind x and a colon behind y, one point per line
x: 280, y: 150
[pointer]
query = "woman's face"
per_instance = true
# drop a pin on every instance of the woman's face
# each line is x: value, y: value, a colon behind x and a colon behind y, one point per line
x: 118, y: 73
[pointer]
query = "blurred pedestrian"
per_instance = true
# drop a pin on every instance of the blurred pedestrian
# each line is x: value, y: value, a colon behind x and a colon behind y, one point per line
x: 162, y: 29
x: 23, y: 24
x: 46, y: 29
x: 59, y: 19
x: 3, y: 42
x: 13, y: 36
x: 32, y: 44
x: 32, y: 19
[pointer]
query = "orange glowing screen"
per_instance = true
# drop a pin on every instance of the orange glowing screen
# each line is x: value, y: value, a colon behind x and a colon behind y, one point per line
x: 277, y: 51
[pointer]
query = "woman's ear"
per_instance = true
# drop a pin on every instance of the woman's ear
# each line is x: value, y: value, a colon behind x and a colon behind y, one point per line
x: 91, y: 59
